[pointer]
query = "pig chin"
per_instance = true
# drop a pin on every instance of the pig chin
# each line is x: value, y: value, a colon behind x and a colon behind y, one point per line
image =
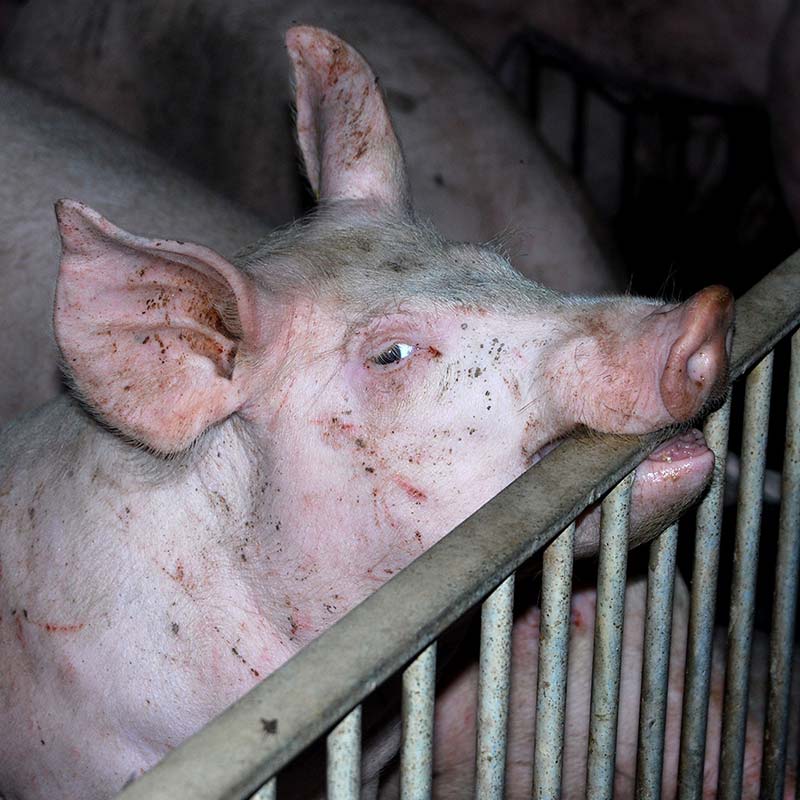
x: 666, y: 483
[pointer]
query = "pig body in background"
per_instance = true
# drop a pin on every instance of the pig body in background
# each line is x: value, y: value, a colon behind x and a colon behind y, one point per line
x: 203, y: 82
x: 455, y: 723
x: 332, y: 402
x: 739, y: 53
x: 47, y: 151
x: 717, y: 51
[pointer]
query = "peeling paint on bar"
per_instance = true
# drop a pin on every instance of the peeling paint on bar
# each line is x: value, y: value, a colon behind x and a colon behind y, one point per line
x: 611, y: 577
x: 551, y: 690
x: 416, y: 747
x: 743, y: 584
x: 497, y: 617
x: 701, y: 615
x: 655, y: 667
x: 344, y: 758
x: 784, y: 613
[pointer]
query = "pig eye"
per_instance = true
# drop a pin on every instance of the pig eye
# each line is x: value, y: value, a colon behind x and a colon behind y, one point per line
x: 391, y: 355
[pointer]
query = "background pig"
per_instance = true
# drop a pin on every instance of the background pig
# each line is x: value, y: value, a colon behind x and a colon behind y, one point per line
x: 206, y: 84
x: 47, y: 151
x: 262, y: 443
x: 741, y: 53
x: 455, y: 722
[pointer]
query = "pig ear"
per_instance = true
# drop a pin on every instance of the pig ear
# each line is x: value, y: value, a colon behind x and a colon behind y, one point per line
x: 149, y: 330
x: 346, y: 137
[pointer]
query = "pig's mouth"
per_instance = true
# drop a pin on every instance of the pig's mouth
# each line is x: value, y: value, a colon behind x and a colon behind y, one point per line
x: 667, y: 482
x: 668, y: 461
x: 680, y: 454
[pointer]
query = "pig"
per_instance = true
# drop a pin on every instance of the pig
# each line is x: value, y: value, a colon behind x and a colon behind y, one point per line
x: 202, y: 82
x: 253, y: 446
x: 741, y: 53
x: 48, y: 150
x: 455, y: 721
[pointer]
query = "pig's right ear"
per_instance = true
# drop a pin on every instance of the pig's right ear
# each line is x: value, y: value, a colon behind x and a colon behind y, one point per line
x: 349, y: 146
x: 148, y: 329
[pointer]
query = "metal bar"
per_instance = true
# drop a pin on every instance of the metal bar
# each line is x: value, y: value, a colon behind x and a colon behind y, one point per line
x: 416, y: 746
x: 445, y: 581
x: 497, y: 619
x: 551, y: 689
x: 611, y: 574
x: 743, y: 583
x: 344, y: 758
x: 784, y: 609
x: 655, y: 667
x: 267, y: 792
x: 701, y: 615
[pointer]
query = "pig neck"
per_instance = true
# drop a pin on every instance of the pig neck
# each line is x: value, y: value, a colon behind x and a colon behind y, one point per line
x: 229, y: 510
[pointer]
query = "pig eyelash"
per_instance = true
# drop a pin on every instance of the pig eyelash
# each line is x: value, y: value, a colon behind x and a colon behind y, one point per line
x: 393, y: 354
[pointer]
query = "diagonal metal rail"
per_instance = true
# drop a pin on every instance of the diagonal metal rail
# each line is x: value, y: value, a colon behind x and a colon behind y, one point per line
x: 236, y: 753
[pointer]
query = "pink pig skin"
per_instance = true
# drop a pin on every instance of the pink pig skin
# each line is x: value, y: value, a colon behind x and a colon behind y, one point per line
x: 262, y: 442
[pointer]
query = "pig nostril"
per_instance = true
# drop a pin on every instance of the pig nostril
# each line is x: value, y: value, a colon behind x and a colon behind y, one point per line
x: 699, y: 367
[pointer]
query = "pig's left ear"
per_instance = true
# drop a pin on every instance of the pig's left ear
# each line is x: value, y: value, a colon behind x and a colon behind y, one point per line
x: 149, y: 330
x: 349, y: 146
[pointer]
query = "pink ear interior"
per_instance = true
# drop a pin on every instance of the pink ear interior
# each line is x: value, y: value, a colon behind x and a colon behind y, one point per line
x: 148, y: 330
x: 343, y: 126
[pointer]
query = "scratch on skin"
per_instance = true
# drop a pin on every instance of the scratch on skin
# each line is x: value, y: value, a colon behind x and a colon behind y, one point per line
x: 412, y: 491
x: 50, y: 627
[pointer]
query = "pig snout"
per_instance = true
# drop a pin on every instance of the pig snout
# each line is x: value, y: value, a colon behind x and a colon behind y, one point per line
x: 634, y: 369
x: 697, y: 366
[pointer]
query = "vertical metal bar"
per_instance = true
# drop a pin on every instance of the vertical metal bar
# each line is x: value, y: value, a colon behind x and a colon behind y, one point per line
x: 267, y: 792
x: 784, y: 609
x: 344, y: 758
x: 743, y: 583
x: 416, y: 746
x: 655, y: 667
x: 497, y: 619
x: 614, y: 529
x: 551, y: 689
x: 701, y: 614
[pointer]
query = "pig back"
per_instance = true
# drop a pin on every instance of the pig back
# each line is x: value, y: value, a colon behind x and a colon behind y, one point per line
x: 47, y: 151
x: 207, y: 83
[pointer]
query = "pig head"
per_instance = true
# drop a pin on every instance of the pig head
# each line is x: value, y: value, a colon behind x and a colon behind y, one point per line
x: 263, y: 442
x: 393, y: 371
